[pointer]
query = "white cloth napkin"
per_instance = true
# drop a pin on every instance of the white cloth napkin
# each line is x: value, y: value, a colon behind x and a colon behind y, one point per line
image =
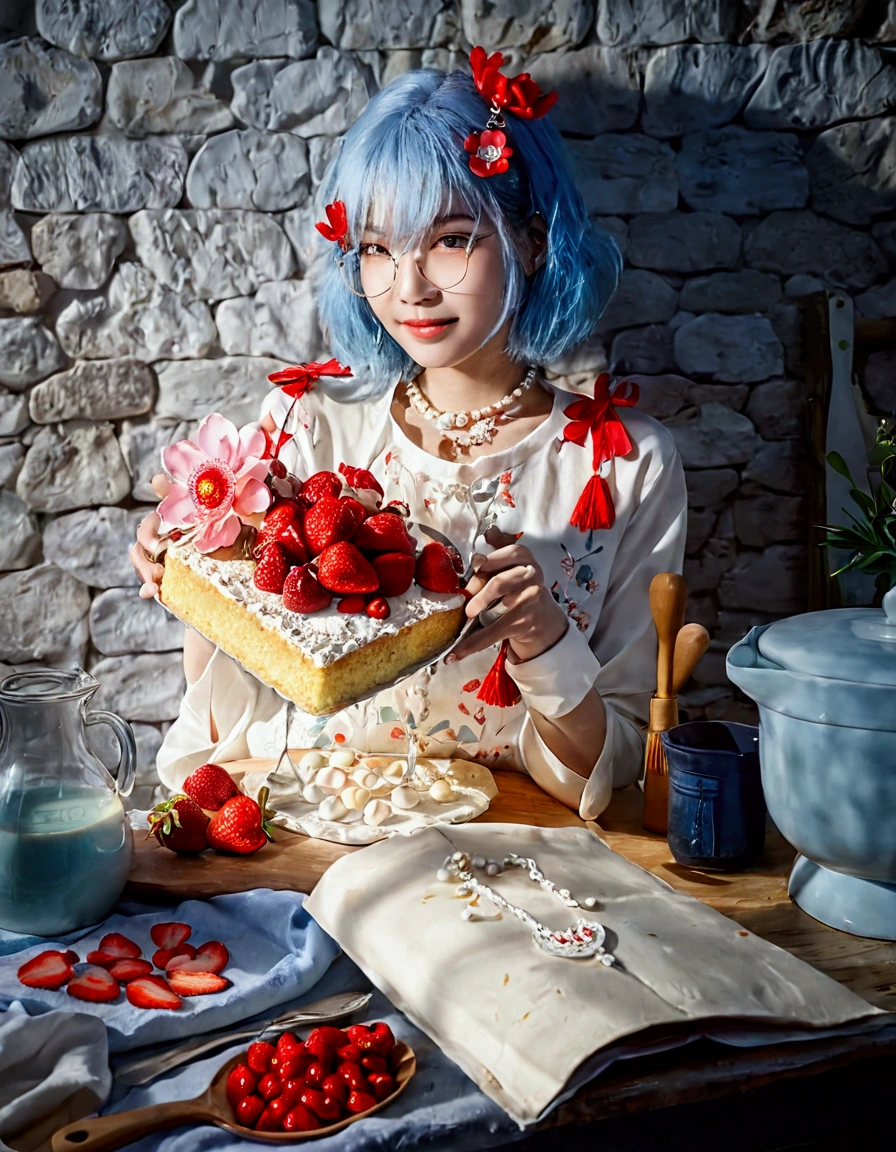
x: 520, y: 1022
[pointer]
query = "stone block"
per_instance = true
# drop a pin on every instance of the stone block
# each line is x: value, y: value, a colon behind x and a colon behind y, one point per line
x: 122, y: 622
x: 25, y: 292
x: 247, y: 29
x: 280, y: 320
x: 234, y: 385
x: 710, y: 672
x: 713, y: 436
x: 11, y: 457
x: 710, y: 487
x: 19, y: 534
x: 762, y: 518
x: 616, y: 227
x: 885, y: 30
x: 590, y: 356
x: 786, y: 318
x: 599, y: 88
x: 852, y: 170
x: 700, y: 523
x: 73, y: 465
x: 92, y: 545
x: 14, y: 247
x: 43, y: 90
x: 78, y: 251
x: 540, y: 25
x: 742, y: 172
x: 729, y: 348
x: 647, y: 350
x: 319, y: 97
x: 735, y: 624
x: 28, y: 352
x: 744, y: 291
x: 704, y: 573
x: 249, y: 168
x: 44, y: 614
x: 625, y: 174
x: 298, y: 224
x: 141, y: 443
x: 801, y: 242
x: 13, y: 413
x: 8, y: 160
x: 815, y: 85
x: 161, y: 95
x: 884, y: 234
x: 147, y: 687
x: 779, y: 465
x: 211, y: 254
x: 773, y: 580
x: 796, y: 20
x: 641, y: 298
x: 691, y: 87
x: 99, y: 174
x: 378, y: 24
x: 136, y: 317
x: 665, y: 21
x: 798, y: 286
x: 94, y: 390
x: 102, y: 30
x: 777, y: 409
x: 877, y: 303
x: 879, y: 383
x: 665, y: 395
x: 683, y: 241
x: 321, y: 150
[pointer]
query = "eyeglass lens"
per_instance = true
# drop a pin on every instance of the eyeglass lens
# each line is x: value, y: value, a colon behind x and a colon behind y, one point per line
x: 371, y: 269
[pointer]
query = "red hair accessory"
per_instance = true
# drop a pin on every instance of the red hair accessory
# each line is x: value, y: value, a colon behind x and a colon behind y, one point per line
x: 499, y: 688
x: 608, y: 439
x: 336, y: 229
x: 517, y: 94
x: 295, y: 382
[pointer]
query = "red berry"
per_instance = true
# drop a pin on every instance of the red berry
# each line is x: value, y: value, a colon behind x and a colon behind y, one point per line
x: 152, y: 992
x: 196, y: 983
x: 50, y: 969
x: 381, y: 1084
x: 283, y: 525
x: 269, y: 1085
x: 323, y: 1106
x: 124, y: 948
x: 241, y: 1082
x: 343, y: 570
x: 271, y: 569
x: 331, y: 520
x: 179, y: 824
x: 373, y: 1063
x: 211, y: 786
x: 126, y: 970
x: 335, y: 1085
x: 319, y: 485
x: 395, y: 571
x: 173, y: 932
x: 164, y: 956
x: 360, y: 478
x: 303, y: 593
x: 268, y: 1121
x: 96, y: 985
x: 248, y: 1110
x: 289, y: 1045
x: 435, y: 569
x: 360, y: 1102
x: 293, y: 1067
x: 259, y: 1056
x: 292, y: 1089
x: 352, y: 1074
x: 352, y: 605
x: 103, y: 959
x: 238, y: 827
x: 316, y: 1073
x: 378, y: 608
x: 384, y: 532
x: 300, y: 1119
x: 325, y: 1037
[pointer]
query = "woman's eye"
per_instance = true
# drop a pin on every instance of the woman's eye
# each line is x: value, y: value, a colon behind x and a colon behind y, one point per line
x: 373, y: 250
x: 453, y: 242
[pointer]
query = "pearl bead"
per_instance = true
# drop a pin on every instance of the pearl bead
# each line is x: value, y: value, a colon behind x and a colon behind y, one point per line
x: 467, y: 914
x: 443, y: 874
x: 517, y: 392
x: 461, y: 420
x: 493, y: 868
x: 590, y: 902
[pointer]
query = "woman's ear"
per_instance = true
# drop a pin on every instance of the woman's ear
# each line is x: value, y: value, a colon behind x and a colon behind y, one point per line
x: 535, y: 244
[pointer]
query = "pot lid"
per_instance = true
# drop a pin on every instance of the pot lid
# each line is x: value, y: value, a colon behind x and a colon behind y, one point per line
x: 856, y: 644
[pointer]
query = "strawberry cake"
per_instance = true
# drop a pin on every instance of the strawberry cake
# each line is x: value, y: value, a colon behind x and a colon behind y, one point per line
x: 330, y: 600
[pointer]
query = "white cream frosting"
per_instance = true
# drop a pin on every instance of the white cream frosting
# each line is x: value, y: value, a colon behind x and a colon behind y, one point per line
x: 323, y: 637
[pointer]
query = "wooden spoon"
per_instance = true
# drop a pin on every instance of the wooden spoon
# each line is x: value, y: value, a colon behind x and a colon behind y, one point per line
x: 690, y: 644
x: 105, y: 1133
x: 668, y: 599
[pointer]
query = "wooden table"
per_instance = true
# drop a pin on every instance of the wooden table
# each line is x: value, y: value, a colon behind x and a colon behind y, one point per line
x: 757, y: 899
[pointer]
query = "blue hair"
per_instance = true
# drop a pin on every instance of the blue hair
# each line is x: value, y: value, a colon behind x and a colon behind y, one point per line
x: 406, y: 151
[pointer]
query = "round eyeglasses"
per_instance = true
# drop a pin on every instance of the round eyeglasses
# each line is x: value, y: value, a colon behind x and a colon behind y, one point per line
x: 370, y: 270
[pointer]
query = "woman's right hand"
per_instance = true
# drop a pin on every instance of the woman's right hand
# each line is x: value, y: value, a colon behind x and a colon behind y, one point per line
x: 141, y: 553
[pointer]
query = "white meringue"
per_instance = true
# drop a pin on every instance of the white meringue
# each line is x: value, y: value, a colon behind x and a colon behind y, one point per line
x: 332, y: 808
x: 441, y: 791
x: 354, y: 798
x: 332, y: 780
x: 342, y: 758
x: 404, y: 797
x: 375, y: 812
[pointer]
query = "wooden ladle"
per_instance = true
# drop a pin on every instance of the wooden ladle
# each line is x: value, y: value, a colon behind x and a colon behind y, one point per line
x: 105, y: 1133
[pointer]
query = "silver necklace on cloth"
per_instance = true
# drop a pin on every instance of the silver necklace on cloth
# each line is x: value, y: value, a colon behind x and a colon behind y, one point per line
x: 580, y: 941
x: 478, y: 426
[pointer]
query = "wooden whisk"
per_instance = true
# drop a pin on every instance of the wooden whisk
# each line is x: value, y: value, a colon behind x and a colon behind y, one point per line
x: 668, y: 599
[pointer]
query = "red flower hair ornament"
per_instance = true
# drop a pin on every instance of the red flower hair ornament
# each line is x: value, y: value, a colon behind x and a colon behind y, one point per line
x: 517, y: 94
x: 295, y: 382
x: 336, y: 226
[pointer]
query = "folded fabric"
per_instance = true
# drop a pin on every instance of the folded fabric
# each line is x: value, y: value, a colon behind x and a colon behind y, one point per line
x: 277, y: 952
x: 521, y: 1022
x: 45, y: 1061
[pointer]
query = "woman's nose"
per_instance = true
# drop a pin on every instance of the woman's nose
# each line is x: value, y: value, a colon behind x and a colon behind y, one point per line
x: 411, y: 284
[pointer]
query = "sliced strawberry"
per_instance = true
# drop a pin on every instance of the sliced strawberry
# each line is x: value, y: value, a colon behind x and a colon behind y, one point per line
x: 215, y: 956
x: 331, y: 520
x: 174, y: 932
x: 384, y: 532
x: 395, y: 571
x: 342, y: 569
x: 378, y: 608
x: 49, y: 970
x: 303, y: 593
x: 271, y: 569
x: 94, y: 984
x: 117, y: 945
x: 152, y: 992
x: 319, y: 485
x: 197, y: 983
x: 352, y: 605
x: 126, y: 970
x: 105, y: 959
x: 161, y: 958
x: 435, y: 569
x: 183, y: 955
x: 360, y: 478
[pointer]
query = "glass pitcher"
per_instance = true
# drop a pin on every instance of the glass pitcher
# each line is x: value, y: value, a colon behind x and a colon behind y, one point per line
x: 65, y: 840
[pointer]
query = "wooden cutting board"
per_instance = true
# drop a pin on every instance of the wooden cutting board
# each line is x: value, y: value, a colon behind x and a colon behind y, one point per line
x: 296, y: 862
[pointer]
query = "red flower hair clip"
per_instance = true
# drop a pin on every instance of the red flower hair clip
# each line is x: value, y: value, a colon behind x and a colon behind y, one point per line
x: 295, y: 382
x: 608, y: 439
x: 336, y: 228
x: 517, y: 94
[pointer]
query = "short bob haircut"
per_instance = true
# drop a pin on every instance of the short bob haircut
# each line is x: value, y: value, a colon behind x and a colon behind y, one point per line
x: 404, y: 159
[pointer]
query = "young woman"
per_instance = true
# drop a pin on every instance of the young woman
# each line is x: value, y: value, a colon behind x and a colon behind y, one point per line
x: 464, y: 260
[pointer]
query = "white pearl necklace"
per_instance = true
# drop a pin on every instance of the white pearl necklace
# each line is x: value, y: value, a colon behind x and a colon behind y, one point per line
x: 480, y: 422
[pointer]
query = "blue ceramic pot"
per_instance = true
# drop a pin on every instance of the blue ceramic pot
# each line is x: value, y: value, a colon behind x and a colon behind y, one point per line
x: 716, y: 809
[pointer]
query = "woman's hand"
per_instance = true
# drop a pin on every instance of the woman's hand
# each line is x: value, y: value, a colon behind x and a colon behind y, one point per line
x: 141, y: 553
x: 527, y: 614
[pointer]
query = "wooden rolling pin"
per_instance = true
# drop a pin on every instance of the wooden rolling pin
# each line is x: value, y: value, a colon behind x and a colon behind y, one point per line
x: 690, y: 644
x: 668, y: 600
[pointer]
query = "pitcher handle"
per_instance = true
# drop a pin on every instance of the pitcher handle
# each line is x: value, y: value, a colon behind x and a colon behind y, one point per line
x: 127, y: 764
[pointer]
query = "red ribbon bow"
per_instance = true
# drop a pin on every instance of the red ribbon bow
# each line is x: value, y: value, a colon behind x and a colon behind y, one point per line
x: 520, y: 94
x: 300, y: 378
x: 336, y: 229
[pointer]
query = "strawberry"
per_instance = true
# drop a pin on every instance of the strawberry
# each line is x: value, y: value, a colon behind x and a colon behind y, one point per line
x: 352, y: 1075
x: 317, y: 1072
x: 435, y: 569
x: 179, y: 824
x: 334, y: 1085
x: 115, y: 944
x: 211, y: 787
x: 378, y: 608
x: 300, y: 1119
x: 171, y: 933
x: 94, y: 984
x: 248, y: 1110
x: 275, y: 1115
x: 323, y: 1106
x: 289, y: 1046
x: 271, y: 570
x: 240, y: 826
x: 371, y: 1063
x: 270, y: 1085
x: 303, y: 593
x: 259, y: 1056
x: 384, y: 532
x: 319, y: 485
x: 360, y: 478
x: 360, y: 1101
x: 293, y: 540
x: 377, y: 1038
x: 241, y: 1082
x: 152, y: 992
x: 292, y: 1090
x: 382, y: 1084
x: 164, y: 955
x: 127, y: 970
x: 293, y: 1067
x: 330, y: 520
x: 351, y: 605
x: 342, y: 569
x: 277, y: 520
x: 196, y: 983
x: 395, y: 571
x: 215, y: 956
x: 50, y: 970
x: 325, y: 1036
x: 268, y: 1121
x: 103, y: 959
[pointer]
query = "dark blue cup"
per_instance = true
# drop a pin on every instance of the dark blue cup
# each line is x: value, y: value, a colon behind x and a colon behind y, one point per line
x: 716, y: 806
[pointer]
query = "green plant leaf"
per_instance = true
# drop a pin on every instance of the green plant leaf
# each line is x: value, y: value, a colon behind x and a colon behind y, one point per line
x: 837, y: 462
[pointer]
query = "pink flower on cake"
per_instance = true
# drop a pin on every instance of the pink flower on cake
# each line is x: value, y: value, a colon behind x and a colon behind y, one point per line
x: 217, y: 480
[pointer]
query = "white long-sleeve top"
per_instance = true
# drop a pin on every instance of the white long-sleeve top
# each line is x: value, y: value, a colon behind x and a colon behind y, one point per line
x: 526, y: 492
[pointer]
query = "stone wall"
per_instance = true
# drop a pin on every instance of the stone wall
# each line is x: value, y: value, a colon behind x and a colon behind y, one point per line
x: 156, y: 165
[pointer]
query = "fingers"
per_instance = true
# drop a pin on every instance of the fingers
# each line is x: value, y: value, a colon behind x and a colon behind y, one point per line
x: 141, y: 553
x: 512, y: 556
x: 502, y: 584
x: 522, y: 621
x: 160, y: 485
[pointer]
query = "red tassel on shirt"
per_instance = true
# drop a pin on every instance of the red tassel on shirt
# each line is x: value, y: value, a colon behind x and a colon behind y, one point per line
x: 595, y: 507
x: 499, y: 688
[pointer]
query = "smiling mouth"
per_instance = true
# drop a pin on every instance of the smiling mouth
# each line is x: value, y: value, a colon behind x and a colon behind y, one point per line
x: 427, y: 328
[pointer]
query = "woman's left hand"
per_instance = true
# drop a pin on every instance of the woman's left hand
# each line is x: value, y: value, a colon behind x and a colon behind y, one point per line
x: 530, y: 617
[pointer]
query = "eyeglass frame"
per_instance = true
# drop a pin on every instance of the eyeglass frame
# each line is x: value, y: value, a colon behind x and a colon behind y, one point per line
x: 470, y: 248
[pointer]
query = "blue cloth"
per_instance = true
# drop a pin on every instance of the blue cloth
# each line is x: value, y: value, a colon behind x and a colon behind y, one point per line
x: 277, y: 952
